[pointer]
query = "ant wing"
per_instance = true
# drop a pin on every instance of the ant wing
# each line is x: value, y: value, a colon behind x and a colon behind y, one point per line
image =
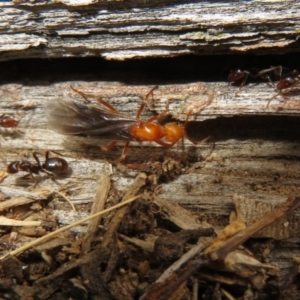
x: 75, y: 118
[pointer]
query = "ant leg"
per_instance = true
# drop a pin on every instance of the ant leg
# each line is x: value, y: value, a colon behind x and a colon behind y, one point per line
x: 110, y: 107
x: 205, y: 140
x: 269, y: 101
x: 266, y: 71
x: 138, y: 115
x: 25, y: 176
x: 168, y: 145
x: 35, y: 180
x: 109, y: 146
x: 204, y: 105
x: 243, y: 82
x: 100, y: 100
x: 139, y: 112
x: 85, y: 96
x: 210, y: 99
x: 187, y: 117
x: 124, y: 152
x: 153, y: 118
x: 37, y: 159
x: 162, y: 114
x: 47, y: 155
x: 39, y: 163
x: 41, y: 169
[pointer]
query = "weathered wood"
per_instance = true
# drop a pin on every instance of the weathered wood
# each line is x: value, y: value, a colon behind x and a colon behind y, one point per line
x: 253, y: 151
x: 139, y: 29
x: 253, y: 154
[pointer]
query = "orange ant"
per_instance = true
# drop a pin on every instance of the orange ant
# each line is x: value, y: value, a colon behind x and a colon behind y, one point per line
x: 73, y: 118
x: 51, y: 166
x: 238, y: 75
x: 286, y: 84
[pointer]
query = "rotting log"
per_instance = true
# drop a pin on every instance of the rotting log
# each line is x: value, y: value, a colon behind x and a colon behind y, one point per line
x: 253, y: 151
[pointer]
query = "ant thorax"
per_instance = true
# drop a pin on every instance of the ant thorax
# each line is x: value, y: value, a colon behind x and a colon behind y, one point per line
x: 147, y: 131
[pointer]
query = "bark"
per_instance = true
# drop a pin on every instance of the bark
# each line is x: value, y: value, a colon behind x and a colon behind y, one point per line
x: 140, y: 29
x: 253, y: 150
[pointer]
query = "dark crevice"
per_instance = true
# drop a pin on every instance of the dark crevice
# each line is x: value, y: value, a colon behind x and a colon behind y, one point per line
x: 144, y: 71
x: 272, y: 128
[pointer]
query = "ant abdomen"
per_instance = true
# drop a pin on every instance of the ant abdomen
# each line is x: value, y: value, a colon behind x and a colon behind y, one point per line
x: 56, y: 165
x: 286, y: 83
x: 12, y: 168
x: 236, y: 75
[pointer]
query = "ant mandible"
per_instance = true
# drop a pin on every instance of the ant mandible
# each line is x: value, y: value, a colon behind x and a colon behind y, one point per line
x: 51, y: 166
x: 74, y: 118
x: 238, y: 75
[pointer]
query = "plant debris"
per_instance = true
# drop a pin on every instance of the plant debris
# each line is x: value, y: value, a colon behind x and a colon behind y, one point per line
x: 149, y: 249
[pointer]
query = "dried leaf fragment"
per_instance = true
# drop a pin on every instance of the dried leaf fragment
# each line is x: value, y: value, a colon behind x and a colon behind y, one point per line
x: 251, y: 210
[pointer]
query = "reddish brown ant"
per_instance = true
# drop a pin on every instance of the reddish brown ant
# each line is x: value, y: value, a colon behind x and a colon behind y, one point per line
x: 10, y: 122
x: 7, y: 121
x: 75, y: 118
x: 51, y: 166
x: 238, y: 75
x: 286, y: 84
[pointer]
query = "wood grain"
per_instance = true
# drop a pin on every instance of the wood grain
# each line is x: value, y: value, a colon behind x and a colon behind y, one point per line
x: 253, y: 151
x: 140, y: 29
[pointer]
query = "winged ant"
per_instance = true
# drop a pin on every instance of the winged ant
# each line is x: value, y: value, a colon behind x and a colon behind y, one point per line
x: 74, y: 118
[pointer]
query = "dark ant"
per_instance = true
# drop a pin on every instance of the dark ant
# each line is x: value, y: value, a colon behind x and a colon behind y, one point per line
x: 51, y: 166
x: 286, y: 84
x: 238, y: 75
x: 75, y: 118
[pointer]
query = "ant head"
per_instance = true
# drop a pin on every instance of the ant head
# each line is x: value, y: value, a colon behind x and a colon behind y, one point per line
x: 174, y: 132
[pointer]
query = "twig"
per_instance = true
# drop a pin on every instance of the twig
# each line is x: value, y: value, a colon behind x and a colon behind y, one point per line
x: 66, y: 198
x: 15, y: 202
x: 54, y: 233
x: 11, y: 222
x: 43, y: 195
x: 220, y: 251
x: 98, y: 205
x: 183, y: 259
x: 172, y: 279
x: 116, y: 220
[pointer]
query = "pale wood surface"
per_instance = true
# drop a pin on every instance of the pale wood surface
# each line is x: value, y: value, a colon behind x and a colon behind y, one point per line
x: 255, y: 156
x: 254, y: 150
x: 139, y: 29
